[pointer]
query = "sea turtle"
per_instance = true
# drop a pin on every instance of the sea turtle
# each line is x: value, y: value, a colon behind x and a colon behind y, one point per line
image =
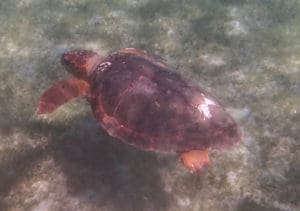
x: 136, y: 97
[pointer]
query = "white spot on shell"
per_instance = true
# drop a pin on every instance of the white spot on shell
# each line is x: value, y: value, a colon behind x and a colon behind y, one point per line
x: 101, y: 67
x: 204, y: 107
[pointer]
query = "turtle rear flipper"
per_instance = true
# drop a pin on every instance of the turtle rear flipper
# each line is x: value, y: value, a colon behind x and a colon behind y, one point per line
x: 195, y: 160
x: 60, y: 93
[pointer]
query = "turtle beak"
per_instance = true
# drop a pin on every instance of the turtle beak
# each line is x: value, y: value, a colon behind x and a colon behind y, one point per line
x: 67, y: 59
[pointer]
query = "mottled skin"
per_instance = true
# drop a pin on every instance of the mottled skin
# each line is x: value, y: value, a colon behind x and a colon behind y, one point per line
x: 139, y: 99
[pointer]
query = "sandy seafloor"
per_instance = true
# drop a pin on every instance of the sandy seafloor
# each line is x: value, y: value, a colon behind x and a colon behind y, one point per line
x: 247, y: 53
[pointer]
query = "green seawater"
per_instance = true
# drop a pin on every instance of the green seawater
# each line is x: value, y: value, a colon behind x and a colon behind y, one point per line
x: 246, y: 52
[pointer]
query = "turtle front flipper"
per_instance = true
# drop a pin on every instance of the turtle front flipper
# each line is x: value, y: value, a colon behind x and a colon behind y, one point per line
x: 60, y: 93
x: 195, y: 160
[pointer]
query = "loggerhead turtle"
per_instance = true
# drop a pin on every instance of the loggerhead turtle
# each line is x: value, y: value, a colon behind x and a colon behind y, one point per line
x: 136, y: 97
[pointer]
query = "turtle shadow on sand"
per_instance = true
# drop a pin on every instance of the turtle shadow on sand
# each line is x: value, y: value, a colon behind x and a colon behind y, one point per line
x: 98, y: 169
x: 107, y: 172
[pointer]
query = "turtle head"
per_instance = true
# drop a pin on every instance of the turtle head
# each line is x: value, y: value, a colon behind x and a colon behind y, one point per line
x: 80, y: 63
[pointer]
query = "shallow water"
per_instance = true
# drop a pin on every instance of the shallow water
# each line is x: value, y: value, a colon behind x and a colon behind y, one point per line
x: 245, y: 52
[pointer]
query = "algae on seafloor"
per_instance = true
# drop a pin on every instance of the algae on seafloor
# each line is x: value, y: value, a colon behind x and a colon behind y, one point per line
x: 245, y: 52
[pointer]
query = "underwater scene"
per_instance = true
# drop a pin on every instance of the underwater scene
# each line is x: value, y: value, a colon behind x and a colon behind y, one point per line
x: 63, y: 150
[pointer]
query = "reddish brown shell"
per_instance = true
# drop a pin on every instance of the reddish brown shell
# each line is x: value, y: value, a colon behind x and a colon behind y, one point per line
x: 137, y: 98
